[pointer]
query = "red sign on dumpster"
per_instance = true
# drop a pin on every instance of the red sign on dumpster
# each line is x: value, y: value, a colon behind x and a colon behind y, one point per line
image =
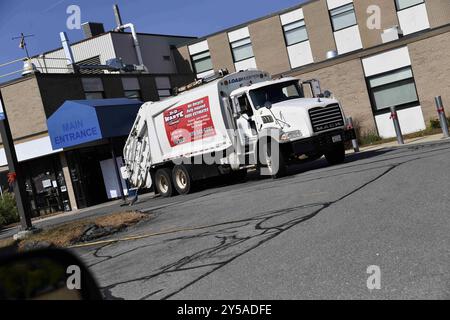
x: 189, y: 122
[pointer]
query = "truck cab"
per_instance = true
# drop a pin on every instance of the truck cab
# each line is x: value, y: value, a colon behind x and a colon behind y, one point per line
x: 303, y: 128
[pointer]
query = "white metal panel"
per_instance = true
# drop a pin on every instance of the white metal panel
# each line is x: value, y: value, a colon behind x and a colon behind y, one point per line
x: 55, y: 62
x: 387, y: 61
x: 101, y: 45
x: 162, y: 149
x: 30, y: 150
x: 292, y: 16
x: 239, y: 34
x: 245, y: 64
x: 414, y: 19
x: 198, y: 47
x: 348, y: 40
x: 337, y: 3
x: 411, y: 120
x: 300, y: 54
x: 110, y: 178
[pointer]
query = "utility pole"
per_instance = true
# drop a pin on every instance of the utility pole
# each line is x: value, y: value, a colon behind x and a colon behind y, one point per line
x: 23, y: 44
x: 15, y: 172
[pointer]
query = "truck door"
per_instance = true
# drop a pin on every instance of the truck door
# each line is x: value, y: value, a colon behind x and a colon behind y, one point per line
x: 245, y: 123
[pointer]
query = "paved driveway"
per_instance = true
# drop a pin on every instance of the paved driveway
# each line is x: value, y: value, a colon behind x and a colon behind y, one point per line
x: 310, y: 235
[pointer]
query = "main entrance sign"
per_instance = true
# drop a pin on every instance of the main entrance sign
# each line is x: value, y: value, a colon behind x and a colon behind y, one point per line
x: 81, y: 121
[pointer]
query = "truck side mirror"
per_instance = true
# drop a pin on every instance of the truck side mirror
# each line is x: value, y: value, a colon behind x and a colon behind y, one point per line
x: 268, y: 105
x: 315, y: 87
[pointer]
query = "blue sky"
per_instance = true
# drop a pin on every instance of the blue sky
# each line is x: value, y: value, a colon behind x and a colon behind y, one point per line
x: 46, y: 18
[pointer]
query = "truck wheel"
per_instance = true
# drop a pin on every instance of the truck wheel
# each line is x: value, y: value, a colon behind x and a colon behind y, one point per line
x: 336, y: 155
x: 269, y: 162
x: 163, y: 182
x: 181, y: 179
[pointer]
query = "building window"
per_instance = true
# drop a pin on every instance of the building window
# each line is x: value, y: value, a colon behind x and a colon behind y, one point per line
x: 295, y: 32
x: 93, y: 88
x: 94, y: 95
x: 202, y: 62
x: 405, y: 4
x: 133, y: 94
x: 163, y: 86
x: 343, y: 17
x: 393, y: 89
x: 131, y: 88
x: 242, y: 49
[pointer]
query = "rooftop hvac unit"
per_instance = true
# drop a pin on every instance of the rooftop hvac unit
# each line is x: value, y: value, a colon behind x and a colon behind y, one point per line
x: 92, y: 29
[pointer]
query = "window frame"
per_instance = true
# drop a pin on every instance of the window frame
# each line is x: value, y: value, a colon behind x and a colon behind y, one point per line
x: 199, y: 53
x: 409, y: 7
x: 302, y: 27
x: 134, y: 90
x: 232, y: 49
x: 331, y: 17
x: 94, y: 89
x: 285, y: 84
x: 102, y: 93
x: 384, y: 110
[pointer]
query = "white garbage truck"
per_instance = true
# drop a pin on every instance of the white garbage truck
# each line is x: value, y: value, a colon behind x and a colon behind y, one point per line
x: 228, y: 123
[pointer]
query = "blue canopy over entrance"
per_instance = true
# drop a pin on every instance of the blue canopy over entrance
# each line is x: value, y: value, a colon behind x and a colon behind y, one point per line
x: 80, y: 121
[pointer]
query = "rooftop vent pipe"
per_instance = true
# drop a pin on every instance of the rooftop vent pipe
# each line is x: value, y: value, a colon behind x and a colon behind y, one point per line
x: 117, y: 15
x: 67, y: 51
x: 122, y: 27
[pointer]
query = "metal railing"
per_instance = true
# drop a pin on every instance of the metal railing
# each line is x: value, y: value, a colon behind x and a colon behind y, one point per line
x: 38, y: 67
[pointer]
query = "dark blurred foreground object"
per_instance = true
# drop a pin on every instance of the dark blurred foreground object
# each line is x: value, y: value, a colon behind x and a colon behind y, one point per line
x: 48, y: 274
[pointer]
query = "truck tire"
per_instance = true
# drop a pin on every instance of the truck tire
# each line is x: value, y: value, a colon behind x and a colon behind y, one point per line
x: 163, y: 182
x: 336, y: 155
x: 182, y: 179
x: 268, y: 163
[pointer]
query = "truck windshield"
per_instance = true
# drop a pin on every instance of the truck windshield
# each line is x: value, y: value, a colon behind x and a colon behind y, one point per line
x: 275, y: 93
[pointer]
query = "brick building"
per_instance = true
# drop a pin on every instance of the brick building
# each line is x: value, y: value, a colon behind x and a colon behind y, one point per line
x: 403, y: 62
x: 74, y: 177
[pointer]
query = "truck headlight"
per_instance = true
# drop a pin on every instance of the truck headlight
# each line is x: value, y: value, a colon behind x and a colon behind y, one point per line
x: 289, y: 136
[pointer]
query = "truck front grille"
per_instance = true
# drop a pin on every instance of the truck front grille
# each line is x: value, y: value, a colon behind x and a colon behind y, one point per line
x: 326, y: 118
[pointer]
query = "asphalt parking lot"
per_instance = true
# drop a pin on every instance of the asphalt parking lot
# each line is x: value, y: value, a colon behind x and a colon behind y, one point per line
x: 311, y: 235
